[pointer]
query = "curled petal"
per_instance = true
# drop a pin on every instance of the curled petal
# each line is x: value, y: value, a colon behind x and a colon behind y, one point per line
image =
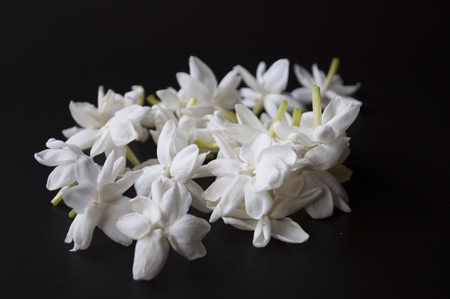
x: 262, y: 234
x: 286, y: 230
x: 134, y: 225
x: 82, y: 228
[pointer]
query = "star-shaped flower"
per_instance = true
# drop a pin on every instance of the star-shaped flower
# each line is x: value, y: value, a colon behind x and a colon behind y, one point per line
x: 329, y: 90
x: 159, y: 221
x: 266, y: 89
x: 98, y: 200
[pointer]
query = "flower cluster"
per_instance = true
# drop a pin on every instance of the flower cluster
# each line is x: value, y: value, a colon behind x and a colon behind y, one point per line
x: 266, y: 168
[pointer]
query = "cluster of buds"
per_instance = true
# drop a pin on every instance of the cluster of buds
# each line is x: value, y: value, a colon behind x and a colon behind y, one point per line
x: 268, y: 165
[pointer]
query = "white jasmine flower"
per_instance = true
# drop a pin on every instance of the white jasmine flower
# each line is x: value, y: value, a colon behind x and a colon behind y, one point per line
x: 98, y: 200
x: 259, y: 167
x: 266, y: 89
x: 201, y: 84
x: 157, y: 222
x: 178, y: 162
x: 275, y: 223
x: 329, y: 90
x: 63, y: 156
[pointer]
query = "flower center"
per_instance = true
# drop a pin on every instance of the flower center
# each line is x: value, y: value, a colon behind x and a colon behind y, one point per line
x: 166, y: 172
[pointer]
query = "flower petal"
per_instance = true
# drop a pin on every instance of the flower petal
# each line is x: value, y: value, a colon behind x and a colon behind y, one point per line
x: 303, y: 76
x: 53, y: 157
x: 249, y: 79
x: 195, y: 88
x: 185, y: 236
x: 82, y: 228
x: 251, y: 150
x: 287, y: 230
x: 133, y: 225
x: 200, y: 71
x: 243, y: 224
x: 143, y: 184
x: 113, y: 210
x: 62, y: 175
x: 327, y: 155
x: 121, y: 130
x: 183, y: 163
x: 86, y: 171
x: 150, y: 256
x: 322, y: 206
x: 257, y: 203
x: 262, y: 234
x: 217, y: 188
x: 85, y: 120
x: 165, y: 142
x: 196, y: 191
x: 246, y: 117
x: 147, y: 207
x: 226, y: 87
x: 276, y: 77
x: 80, y: 197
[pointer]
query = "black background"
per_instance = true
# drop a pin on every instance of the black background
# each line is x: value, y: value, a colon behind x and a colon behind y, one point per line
x: 394, y: 243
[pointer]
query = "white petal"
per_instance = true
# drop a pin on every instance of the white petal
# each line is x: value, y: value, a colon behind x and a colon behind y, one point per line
x: 276, y: 77
x: 250, y: 151
x: 195, y: 88
x: 77, y: 110
x: 231, y: 198
x: 134, y: 225
x: 227, y: 86
x: 270, y: 174
x: 116, y: 189
x: 249, y: 79
x: 185, y: 236
x: 303, y: 76
x: 100, y: 144
x: 282, y: 152
x: 223, y: 167
x: 147, y: 207
x: 319, y: 76
x: 246, y: 117
x: 217, y: 188
x: 85, y: 138
x: 165, y: 142
x: 243, y: 224
x: 183, y: 163
x: 260, y: 70
x: 53, y: 157
x: 121, y: 130
x: 225, y: 148
x: 286, y: 230
x: 196, y: 191
x: 86, y: 171
x: 61, y: 176
x: 257, y: 203
x: 327, y: 155
x: 322, y: 206
x: 80, y: 197
x: 113, y: 210
x: 290, y: 206
x: 82, y: 228
x: 200, y: 71
x: 291, y: 187
x: 143, y: 184
x: 150, y: 256
x: 262, y: 234
x: 325, y: 134
x: 169, y: 99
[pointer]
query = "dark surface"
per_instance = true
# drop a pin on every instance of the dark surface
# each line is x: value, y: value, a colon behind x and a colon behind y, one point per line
x: 394, y: 243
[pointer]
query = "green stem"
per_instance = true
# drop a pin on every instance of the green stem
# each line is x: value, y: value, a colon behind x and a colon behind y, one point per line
x: 72, y: 214
x: 142, y: 97
x: 151, y: 99
x: 206, y: 145
x: 317, y: 106
x: 296, y: 117
x: 278, y: 117
x: 132, y: 157
x: 258, y: 107
x: 59, y: 196
x: 230, y: 115
x: 331, y: 72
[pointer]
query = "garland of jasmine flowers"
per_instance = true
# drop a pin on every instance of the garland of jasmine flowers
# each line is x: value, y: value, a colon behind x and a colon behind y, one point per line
x: 266, y: 168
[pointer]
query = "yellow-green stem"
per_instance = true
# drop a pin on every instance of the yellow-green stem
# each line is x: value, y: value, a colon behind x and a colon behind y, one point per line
x: 72, y: 214
x: 317, y: 106
x: 331, y: 72
x: 209, y: 156
x: 258, y: 107
x: 192, y: 102
x: 152, y: 100
x: 206, y: 145
x: 142, y: 97
x: 230, y: 115
x: 296, y: 117
x: 278, y: 117
x: 344, y: 170
x: 59, y: 196
x: 132, y: 157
